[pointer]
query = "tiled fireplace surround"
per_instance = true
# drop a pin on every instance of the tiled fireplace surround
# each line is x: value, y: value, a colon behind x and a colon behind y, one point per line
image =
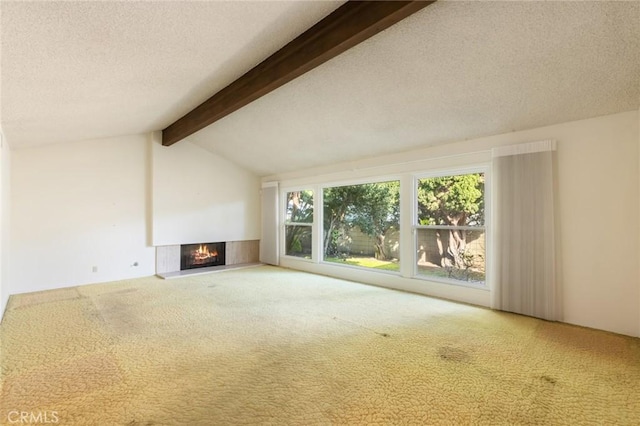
x: 237, y: 253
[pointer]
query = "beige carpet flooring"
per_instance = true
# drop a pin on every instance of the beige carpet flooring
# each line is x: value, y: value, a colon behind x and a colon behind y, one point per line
x: 272, y: 346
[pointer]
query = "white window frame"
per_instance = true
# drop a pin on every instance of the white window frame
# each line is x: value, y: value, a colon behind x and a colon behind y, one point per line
x: 320, y: 215
x: 480, y: 168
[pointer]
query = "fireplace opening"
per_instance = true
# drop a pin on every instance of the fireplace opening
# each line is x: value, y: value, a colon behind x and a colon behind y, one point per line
x: 201, y: 255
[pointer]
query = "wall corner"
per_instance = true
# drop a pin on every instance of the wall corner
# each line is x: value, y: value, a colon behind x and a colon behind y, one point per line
x: 5, y: 215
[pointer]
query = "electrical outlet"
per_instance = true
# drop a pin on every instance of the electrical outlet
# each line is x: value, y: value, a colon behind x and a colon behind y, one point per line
x: 94, y: 269
x: 135, y: 264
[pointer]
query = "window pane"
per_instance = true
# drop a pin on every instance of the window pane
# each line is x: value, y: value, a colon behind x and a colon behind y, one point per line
x: 454, y: 254
x: 451, y: 200
x: 300, y: 206
x: 361, y: 225
x: 298, y: 241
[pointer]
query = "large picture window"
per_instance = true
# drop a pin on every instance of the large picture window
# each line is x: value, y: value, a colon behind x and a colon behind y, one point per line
x: 361, y: 225
x: 299, y: 223
x: 450, y: 227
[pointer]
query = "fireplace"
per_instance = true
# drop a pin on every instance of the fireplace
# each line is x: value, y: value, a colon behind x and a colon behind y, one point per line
x: 201, y: 255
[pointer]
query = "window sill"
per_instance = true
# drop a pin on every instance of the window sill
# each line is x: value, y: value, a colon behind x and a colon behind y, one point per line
x: 302, y: 259
x: 359, y: 268
x: 477, y: 286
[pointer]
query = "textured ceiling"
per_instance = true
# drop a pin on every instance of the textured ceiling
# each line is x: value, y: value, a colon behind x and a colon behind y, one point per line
x: 452, y: 71
x: 75, y: 70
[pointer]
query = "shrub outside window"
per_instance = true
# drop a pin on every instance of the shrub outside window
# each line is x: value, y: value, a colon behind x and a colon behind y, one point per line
x: 450, y: 228
x: 299, y: 223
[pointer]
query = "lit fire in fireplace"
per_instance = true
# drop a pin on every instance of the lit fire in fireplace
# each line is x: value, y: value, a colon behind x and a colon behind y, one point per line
x: 202, y: 254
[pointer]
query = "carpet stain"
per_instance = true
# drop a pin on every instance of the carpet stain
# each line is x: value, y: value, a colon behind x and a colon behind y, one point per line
x: 454, y: 354
x: 125, y: 290
x: 548, y: 379
x: 120, y: 312
x: 363, y: 327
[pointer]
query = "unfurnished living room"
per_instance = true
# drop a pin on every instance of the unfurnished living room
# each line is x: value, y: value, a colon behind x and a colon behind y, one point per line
x: 319, y: 212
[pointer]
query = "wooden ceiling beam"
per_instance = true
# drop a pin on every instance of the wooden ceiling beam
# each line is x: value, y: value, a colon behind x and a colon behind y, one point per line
x: 350, y: 24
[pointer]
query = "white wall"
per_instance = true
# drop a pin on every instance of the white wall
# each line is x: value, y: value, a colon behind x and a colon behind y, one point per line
x: 599, y: 213
x: 599, y: 209
x: 79, y: 205
x: 201, y: 197
x: 5, y: 213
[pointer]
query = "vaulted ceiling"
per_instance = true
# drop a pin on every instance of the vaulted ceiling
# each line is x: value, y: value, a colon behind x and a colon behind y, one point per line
x: 452, y: 71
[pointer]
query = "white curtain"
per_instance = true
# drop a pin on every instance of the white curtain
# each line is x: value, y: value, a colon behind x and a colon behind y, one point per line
x: 270, y: 224
x: 523, y: 222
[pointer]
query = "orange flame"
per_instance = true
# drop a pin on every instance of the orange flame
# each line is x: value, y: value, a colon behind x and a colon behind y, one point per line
x: 203, y: 253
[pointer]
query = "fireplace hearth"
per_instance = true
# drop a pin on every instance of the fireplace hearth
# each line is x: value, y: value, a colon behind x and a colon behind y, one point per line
x: 169, y: 263
x: 201, y: 255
